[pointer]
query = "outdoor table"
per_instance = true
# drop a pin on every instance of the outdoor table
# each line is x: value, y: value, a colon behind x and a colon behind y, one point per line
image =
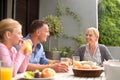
x: 69, y: 76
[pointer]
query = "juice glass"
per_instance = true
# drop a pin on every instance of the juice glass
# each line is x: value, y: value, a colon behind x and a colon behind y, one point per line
x: 75, y: 59
x: 65, y: 61
x: 6, y: 71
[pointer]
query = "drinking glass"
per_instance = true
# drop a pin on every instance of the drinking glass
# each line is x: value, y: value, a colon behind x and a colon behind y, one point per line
x: 6, y: 70
x: 76, y: 58
x: 64, y: 61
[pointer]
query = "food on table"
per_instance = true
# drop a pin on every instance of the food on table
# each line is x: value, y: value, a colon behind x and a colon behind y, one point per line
x: 47, y: 73
x: 28, y: 48
x: 32, y: 74
x: 77, y: 64
x: 85, y: 65
x: 37, y: 74
x: 29, y: 75
x: 95, y: 67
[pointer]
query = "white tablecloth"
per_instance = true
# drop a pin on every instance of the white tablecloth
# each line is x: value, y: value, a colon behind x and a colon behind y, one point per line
x: 67, y: 76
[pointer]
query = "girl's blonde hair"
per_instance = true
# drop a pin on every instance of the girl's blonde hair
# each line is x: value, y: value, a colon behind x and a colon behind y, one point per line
x: 7, y: 25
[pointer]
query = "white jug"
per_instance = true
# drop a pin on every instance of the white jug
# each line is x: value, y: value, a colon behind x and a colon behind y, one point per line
x: 112, y: 70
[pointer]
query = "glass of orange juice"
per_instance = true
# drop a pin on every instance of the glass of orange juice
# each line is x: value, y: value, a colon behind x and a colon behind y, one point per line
x: 6, y: 70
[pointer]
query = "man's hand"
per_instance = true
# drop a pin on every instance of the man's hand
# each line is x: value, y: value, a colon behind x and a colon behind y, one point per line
x: 58, y: 67
x: 53, y: 61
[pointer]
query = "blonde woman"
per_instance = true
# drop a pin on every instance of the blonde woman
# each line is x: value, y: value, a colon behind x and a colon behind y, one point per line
x: 10, y: 35
x: 93, y: 50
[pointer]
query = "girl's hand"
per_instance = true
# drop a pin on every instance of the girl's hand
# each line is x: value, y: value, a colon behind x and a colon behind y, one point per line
x: 21, y: 46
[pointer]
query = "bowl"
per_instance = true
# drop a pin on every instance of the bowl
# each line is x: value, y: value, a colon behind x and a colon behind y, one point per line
x: 87, y: 72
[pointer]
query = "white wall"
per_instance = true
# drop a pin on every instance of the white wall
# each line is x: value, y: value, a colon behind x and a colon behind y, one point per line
x: 115, y: 52
x: 86, y: 11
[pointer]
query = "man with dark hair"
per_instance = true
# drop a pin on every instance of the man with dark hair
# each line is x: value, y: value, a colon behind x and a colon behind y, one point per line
x: 38, y: 32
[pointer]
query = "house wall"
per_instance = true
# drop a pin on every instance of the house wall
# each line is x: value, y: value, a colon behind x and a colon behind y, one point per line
x: 87, y: 12
x: 115, y: 52
x: 85, y: 9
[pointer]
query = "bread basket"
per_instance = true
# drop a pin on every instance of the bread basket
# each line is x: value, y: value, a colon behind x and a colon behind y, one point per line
x: 87, y: 72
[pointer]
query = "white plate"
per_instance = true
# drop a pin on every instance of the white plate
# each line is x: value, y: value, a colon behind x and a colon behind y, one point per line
x: 21, y: 75
x: 41, y: 78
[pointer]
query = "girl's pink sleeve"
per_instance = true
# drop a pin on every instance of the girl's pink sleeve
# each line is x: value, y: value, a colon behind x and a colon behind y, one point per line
x: 19, y: 60
x: 24, y: 64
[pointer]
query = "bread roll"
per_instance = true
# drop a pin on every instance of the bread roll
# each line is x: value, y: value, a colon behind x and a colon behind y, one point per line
x: 77, y: 65
x: 95, y: 67
x: 47, y: 73
x: 86, y: 66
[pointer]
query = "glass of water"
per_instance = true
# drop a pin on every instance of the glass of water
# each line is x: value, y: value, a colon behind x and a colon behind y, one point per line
x: 75, y: 58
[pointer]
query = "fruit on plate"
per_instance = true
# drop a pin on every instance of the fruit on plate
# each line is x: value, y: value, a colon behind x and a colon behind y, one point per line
x: 32, y: 74
x: 28, y: 48
x: 37, y: 74
x: 47, y: 73
x: 29, y: 75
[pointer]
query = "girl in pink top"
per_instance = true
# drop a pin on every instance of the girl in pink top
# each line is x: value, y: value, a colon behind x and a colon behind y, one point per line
x: 11, y: 35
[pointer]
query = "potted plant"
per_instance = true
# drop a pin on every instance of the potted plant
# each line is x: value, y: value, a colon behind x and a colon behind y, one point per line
x: 55, y: 28
x: 79, y: 40
x: 55, y: 25
x: 66, y: 52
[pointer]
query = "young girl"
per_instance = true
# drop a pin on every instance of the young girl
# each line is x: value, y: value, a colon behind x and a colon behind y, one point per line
x: 11, y: 35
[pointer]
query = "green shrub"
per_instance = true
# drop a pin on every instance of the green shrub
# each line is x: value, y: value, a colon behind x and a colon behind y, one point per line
x: 109, y: 22
x: 54, y: 24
